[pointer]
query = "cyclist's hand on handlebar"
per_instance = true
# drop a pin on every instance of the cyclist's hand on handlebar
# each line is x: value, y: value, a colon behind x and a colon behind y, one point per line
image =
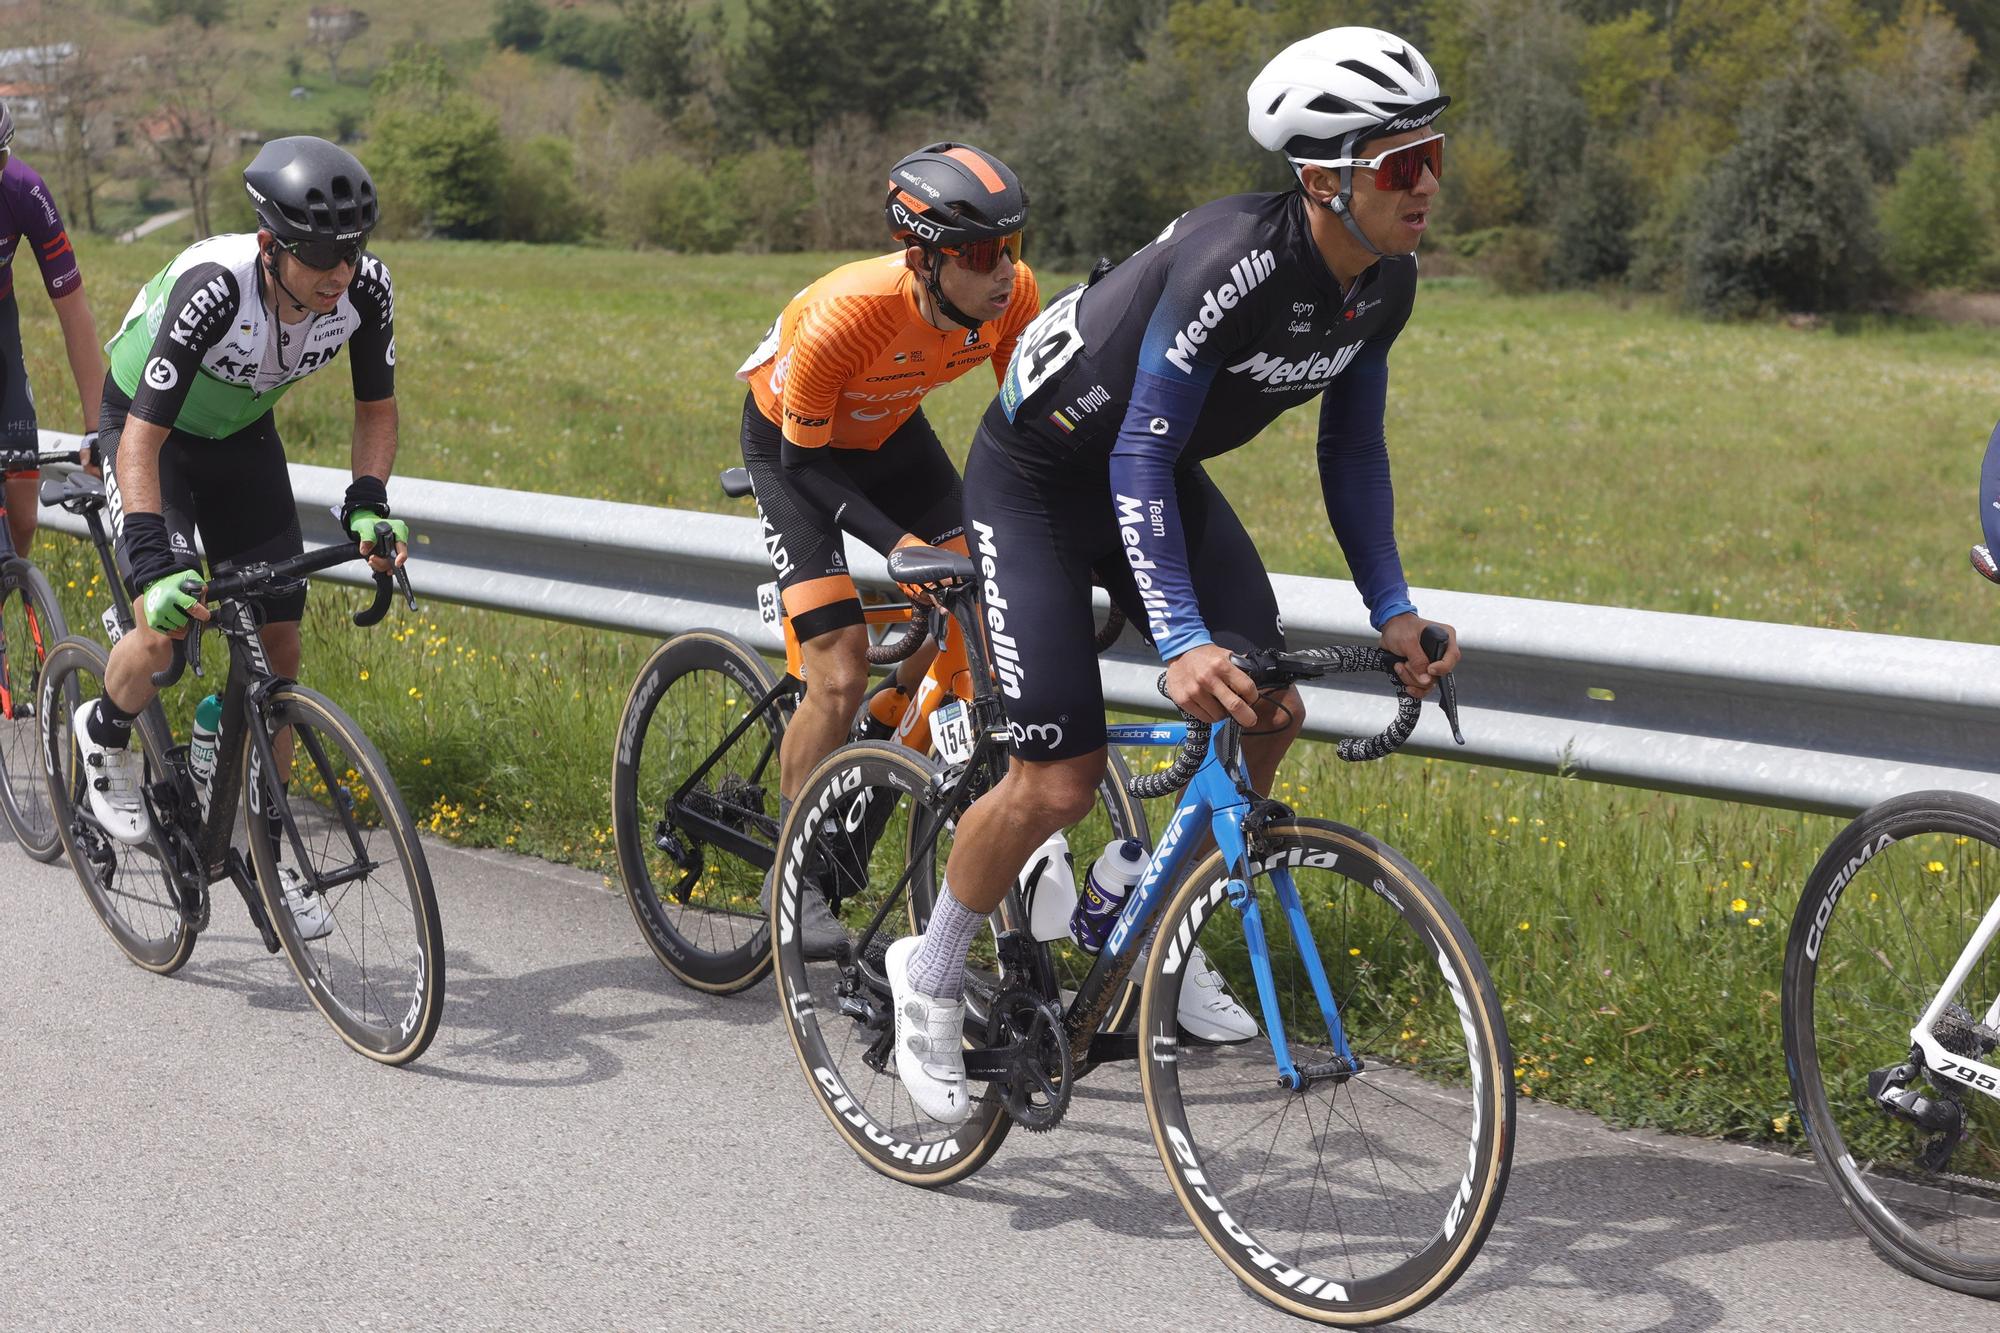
x: 167, y: 604
x: 86, y: 455
x: 1403, y: 637
x: 362, y: 524
x: 911, y: 590
x: 1205, y: 684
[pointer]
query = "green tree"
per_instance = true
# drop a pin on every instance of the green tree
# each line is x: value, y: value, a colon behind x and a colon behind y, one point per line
x: 582, y: 42
x: 1783, y: 218
x: 519, y: 24
x: 1595, y: 211
x: 1934, y: 234
x: 669, y: 202
x: 434, y: 150
x: 659, y: 52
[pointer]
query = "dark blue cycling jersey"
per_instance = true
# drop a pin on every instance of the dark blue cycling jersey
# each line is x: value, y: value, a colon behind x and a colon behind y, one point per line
x: 1989, y: 493
x: 1188, y: 350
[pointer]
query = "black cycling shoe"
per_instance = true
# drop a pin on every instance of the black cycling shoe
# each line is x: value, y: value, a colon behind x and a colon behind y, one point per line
x: 821, y: 936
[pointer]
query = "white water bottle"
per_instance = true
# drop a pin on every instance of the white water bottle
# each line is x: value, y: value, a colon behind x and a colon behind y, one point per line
x: 201, y: 746
x: 1049, y: 882
x: 1120, y: 866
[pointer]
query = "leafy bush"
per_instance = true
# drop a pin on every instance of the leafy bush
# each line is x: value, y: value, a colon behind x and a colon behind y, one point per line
x: 1514, y: 259
x: 769, y: 192
x: 435, y: 151
x: 1934, y: 234
x: 519, y: 24
x: 1594, y: 214
x: 583, y: 42
x: 669, y: 202
x: 539, y: 197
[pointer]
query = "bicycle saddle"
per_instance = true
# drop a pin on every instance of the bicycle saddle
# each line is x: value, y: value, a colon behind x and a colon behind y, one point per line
x: 927, y: 566
x: 736, y: 482
x: 78, y: 492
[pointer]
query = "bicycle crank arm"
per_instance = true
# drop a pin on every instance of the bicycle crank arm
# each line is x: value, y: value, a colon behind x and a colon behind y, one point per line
x: 239, y: 875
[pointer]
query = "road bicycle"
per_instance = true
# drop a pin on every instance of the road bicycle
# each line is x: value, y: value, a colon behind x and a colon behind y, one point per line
x: 694, y: 784
x: 1892, y: 1024
x: 349, y: 850
x: 31, y: 620
x: 1346, y: 1163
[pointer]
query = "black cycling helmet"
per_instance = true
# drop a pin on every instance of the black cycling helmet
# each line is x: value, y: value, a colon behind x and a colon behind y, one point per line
x: 946, y: 197
x: 306, y: 189
x: 946, y: 194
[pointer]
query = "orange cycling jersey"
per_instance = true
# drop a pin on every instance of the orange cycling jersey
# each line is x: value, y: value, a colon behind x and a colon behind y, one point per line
x: 852, y: 356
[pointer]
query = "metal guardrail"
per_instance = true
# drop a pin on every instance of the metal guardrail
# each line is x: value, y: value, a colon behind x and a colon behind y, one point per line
x: 1809, y: 719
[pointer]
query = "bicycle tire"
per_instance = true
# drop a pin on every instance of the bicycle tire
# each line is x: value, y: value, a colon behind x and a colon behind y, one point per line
x: 130, y: 887
x: 31, y: 623
x: 715, y: 938
x: 378, y: 976
x: 1252, y: 1200
x: 1922, y: 869
x: 866, y: 1105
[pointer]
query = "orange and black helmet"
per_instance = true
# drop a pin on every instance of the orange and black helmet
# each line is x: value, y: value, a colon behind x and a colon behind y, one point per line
x: 946, y: 195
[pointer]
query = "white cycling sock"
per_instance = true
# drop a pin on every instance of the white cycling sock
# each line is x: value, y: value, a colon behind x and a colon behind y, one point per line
x: 938, y: 970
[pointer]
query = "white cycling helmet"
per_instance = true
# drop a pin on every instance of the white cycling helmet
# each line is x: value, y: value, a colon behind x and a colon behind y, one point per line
x: 1324, y: 96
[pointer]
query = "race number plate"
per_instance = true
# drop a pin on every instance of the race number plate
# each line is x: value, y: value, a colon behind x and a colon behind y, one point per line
x: 951, y: 728
x: 770, y: 607
x: 1047, y: 345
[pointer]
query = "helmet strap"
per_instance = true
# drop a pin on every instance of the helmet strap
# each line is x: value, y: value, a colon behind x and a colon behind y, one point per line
x: 931, y: 285
x: 1342, y: 204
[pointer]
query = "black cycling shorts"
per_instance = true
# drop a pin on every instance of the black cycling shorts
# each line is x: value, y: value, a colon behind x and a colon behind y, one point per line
x: 910, y: 477
x: 234, y: 492
x: 1038, y: 540
x: 17, y: 402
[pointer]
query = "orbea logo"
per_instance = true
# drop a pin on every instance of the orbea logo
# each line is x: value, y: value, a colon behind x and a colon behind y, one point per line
x: 1244, y: 275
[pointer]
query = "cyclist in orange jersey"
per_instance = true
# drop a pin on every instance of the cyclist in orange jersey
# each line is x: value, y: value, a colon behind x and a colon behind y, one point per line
x: 835, y: 437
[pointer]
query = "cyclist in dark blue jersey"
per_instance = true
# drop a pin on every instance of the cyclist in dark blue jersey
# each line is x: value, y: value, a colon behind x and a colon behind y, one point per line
x: 1989, y: 510
x: 1089, y: 464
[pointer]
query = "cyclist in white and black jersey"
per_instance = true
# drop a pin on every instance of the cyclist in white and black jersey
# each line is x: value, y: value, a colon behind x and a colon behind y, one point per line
x: 189, y: 445
x: 1090, y: 464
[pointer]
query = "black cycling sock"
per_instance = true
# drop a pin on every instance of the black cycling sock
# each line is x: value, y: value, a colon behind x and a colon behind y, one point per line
x: 108, y: 724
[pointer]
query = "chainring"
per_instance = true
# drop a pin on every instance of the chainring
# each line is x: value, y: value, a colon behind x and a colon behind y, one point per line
x: 1037, y: 1095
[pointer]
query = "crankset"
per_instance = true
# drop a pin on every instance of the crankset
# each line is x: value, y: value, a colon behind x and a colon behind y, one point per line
x: 1026, y: 1059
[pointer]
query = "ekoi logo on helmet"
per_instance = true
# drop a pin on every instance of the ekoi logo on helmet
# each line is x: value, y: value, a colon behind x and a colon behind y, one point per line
x: 923, y: 228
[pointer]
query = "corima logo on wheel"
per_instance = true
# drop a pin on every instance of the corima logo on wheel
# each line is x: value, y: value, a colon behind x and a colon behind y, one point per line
x: 1244, y: 275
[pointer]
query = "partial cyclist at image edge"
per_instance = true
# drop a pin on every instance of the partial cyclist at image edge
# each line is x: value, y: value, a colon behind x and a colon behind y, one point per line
x: 28, y: 212
x: 835, y: 436
x: 190, y: 446
x: 1089, y: 464
x: 1983, y: 555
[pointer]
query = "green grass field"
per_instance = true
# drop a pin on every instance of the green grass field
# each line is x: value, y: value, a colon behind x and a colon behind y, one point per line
x: 1563, y: 447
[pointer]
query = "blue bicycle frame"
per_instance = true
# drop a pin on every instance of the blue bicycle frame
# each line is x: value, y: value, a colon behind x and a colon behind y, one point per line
x: 1216, y: 798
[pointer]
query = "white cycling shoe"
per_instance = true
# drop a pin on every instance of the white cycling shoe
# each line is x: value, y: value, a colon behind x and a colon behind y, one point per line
x: 1208, y: 1012
x: 111, y: 776
x: 930, y: 1048
x: 310, y: 913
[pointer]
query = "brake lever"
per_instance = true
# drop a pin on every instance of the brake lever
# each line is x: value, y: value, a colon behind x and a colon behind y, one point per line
x: 194, y: 645
x: 1436, y: 642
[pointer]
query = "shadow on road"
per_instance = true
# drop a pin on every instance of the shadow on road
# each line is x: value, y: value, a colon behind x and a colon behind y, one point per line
x: 1595, y: 1239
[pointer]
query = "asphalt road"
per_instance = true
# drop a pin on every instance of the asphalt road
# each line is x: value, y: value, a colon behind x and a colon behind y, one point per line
x: 589, y: 1145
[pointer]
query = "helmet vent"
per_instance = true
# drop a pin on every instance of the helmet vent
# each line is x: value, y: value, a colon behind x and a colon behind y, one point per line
x: 1371, y: 74
x: 1402, y: 57
x: 1330, y: 104
x: 1276, y: 102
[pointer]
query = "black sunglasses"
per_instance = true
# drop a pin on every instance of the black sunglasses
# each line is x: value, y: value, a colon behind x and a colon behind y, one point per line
x: 325, y: 255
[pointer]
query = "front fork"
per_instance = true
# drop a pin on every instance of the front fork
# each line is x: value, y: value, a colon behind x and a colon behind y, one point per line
x: 1231, y: 837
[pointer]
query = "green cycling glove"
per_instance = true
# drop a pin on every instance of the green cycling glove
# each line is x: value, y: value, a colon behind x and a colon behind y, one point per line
x: 166, y: 603
x: 362, y: 524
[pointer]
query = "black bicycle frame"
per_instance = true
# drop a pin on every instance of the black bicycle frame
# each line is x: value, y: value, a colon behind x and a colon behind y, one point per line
x: 711, y: 830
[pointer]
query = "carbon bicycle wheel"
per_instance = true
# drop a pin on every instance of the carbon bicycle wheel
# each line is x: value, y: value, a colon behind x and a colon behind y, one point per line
x: 377, y: 973
x: 1362, y: 1196
x: 682, y: 857
x: 132, y: 887
x: 857, y: 817
x: 31, y: 621
x: 1911, y: 1146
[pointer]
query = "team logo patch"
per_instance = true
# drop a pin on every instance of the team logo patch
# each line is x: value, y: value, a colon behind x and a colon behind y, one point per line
x: 161, y: 375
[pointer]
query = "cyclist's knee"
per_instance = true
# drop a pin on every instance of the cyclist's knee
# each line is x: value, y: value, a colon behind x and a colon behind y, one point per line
x: 836, y: 667
x: 1058, y: 793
